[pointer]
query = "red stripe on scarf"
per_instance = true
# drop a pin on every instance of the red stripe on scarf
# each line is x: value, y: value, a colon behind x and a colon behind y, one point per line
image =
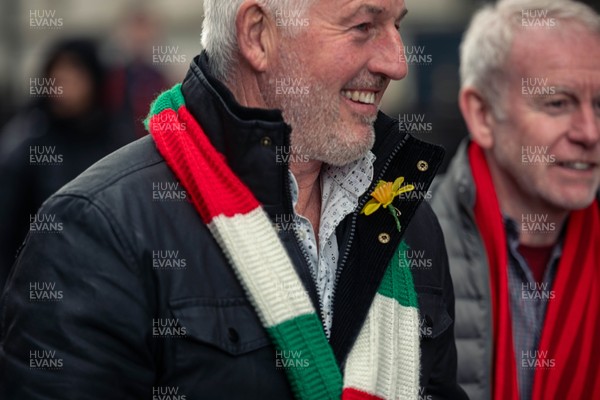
x: 354, y: 394
x: 489, y: 222
x: 572, y: 319
x: 197, y: 164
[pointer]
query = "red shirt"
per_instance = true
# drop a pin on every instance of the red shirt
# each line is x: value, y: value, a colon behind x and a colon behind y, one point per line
x: 537, y: 259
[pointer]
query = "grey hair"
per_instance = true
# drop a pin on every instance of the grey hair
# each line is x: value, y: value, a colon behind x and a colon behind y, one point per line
x: 487, y: 43
x: 219, y: 32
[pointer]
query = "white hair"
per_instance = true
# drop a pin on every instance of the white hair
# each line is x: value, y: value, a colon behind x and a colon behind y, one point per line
x: 487, y: 43
x: 219, y: 31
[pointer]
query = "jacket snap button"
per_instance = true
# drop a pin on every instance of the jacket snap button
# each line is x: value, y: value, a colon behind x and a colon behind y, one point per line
x: 233, y: 335
x: 266, y: 141
x: 384, y: 238
x: 422, y: 166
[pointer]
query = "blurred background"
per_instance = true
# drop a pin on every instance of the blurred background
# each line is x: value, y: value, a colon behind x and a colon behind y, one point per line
x: 77, y: 77
x: 146, y: 46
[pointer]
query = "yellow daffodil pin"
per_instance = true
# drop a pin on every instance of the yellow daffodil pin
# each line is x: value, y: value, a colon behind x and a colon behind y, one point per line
x: 384, y: 194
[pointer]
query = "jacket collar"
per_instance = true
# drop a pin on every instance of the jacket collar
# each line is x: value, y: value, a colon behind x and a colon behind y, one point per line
x: 460, y: 177
x: 374, y: 239
x: 247, y: 137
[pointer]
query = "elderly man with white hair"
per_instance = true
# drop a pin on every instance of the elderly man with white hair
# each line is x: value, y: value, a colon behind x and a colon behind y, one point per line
x: 519, y: 203
x: 256, y: 245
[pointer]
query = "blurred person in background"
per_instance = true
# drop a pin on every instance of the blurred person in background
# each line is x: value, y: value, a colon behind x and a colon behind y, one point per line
x: 64, y: 131
x: 133, y: 81
x: 519, y: 203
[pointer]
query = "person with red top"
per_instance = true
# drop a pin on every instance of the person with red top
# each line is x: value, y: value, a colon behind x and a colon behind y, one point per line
x: 255, y: 245
x: 519, y: 203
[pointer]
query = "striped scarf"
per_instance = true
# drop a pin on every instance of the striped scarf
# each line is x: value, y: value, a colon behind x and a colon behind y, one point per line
x: 383, y: 362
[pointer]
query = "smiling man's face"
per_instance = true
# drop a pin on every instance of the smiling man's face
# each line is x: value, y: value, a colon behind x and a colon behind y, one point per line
x: 331, y: 76
x: 547, y: 150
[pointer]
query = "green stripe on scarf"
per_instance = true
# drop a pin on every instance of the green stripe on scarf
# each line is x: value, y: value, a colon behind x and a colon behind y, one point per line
x: 171, y: 99
x: 397, y: 282
x: 303, y: 336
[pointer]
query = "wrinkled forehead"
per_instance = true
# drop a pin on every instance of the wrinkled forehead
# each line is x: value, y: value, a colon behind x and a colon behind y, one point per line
x: 566, y: 59
x: 567, y: 46
x: 348, y: 7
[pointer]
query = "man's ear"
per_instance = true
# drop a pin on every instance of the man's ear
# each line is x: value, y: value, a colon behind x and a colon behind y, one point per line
x: 255, y: 35
x: 478, y: 116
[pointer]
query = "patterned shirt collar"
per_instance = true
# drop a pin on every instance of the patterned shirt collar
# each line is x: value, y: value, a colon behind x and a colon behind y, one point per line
x: 353, y: 178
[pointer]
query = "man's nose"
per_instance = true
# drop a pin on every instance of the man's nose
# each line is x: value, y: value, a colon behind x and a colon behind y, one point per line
x: 585, y: 126
x: 388, y: 56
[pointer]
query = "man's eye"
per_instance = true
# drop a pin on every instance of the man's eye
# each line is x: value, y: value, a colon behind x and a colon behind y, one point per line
x: 364, y: 27
x: 556, y: 104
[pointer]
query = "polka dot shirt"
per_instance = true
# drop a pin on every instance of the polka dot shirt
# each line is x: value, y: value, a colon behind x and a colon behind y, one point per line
x: 341, y: 187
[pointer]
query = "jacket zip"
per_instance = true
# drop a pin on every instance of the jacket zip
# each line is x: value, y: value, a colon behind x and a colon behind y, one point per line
x: 352, y: 229
x: 355, y: 216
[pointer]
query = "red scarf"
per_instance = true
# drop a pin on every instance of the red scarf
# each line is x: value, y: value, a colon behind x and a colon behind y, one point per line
x: 572, y: 321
